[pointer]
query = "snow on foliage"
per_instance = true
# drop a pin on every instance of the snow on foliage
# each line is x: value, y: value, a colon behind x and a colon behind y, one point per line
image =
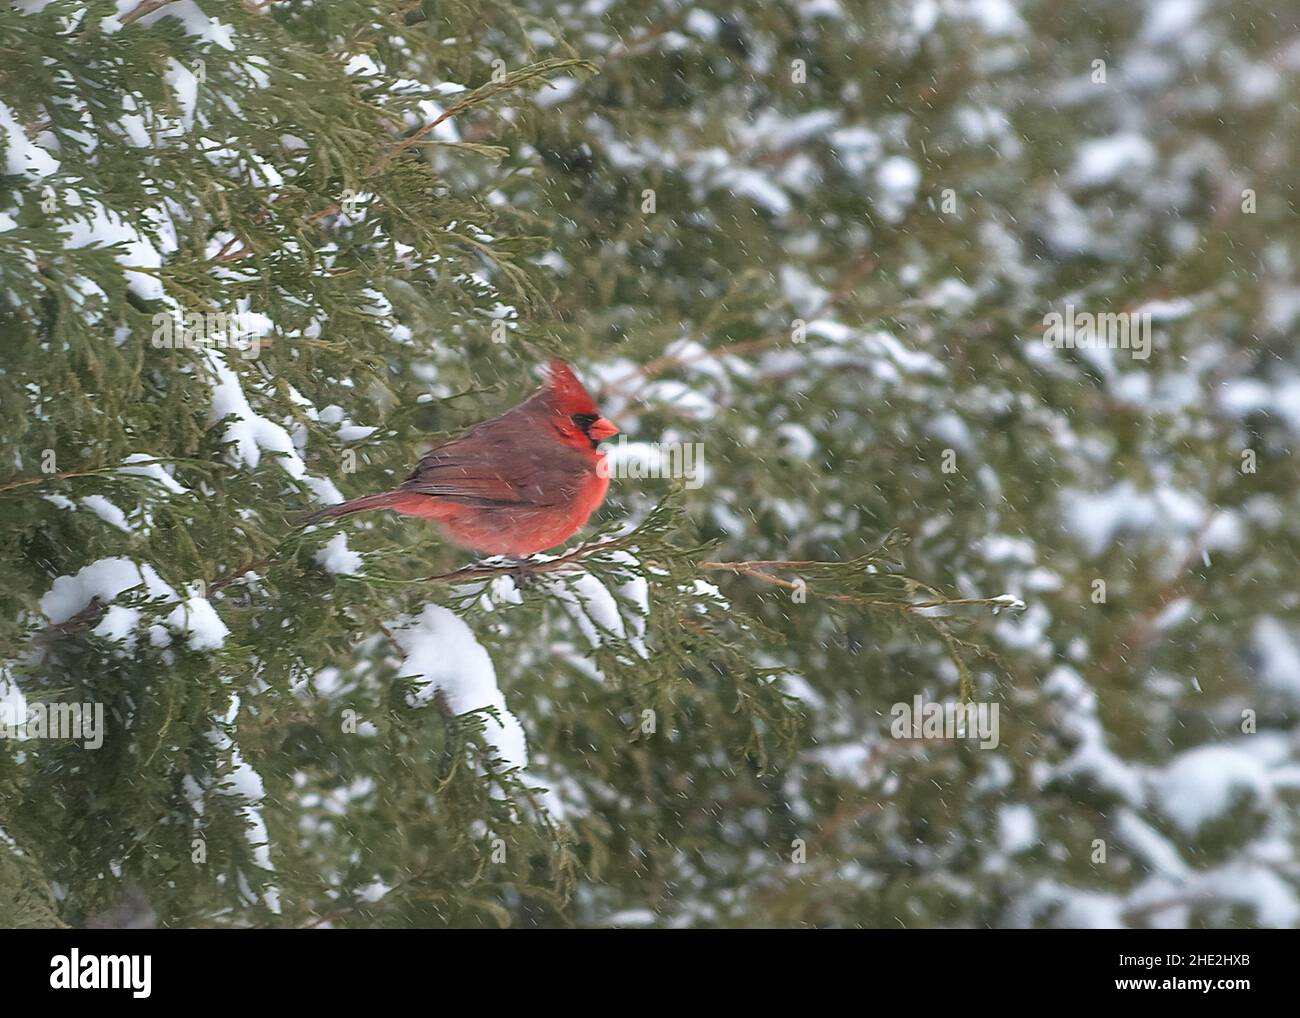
x: 444, y: 656
x: 338, y: 558
x: 107, y: 579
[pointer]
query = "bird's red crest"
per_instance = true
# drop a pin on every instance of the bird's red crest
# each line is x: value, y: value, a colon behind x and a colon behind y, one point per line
x: 569, y: 394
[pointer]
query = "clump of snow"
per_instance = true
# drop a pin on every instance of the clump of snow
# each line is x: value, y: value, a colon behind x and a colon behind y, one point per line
x: 759, y: 189
x: 1028, y: 632
x: 107, y: 512
x: 909, y: 360
x: 364, y: 65
x: 1092, y: 757
x: 703, y: 588
x: 1017, y: 828
x: 252, y: 433
x: 13, y: 704
x: 636, y: 589
x: 1101, y: 518
x: 560, y: 90
x: 196, y: 616
x: 22, y: 157
x: 186, y: 86
x: 154, y: 471
x: 897, y: 179
x: 336, y: 557
x: 1259, y: 887
x: 187, y: 12
x: 442, y: 651
x: 245, y: 783
x: 1117, y: 159
x: 797, y: 440
x: 996, y: 17
x: 497, y: 591
x: 1148, y: 843
x: 98, y: 226
x: 1279, y: 656
x: 857, y: 149
x: 1167, y: 20
x: 590, y: 604
x: 1204, y: 783
x: 347, y: 431
x: 118, y: 625
x: 107, y: 578
x: 1089, y: 910
x: 772, y: 131
x: 104, y: 579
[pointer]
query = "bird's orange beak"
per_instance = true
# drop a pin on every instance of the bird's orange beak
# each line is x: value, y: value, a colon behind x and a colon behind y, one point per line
x: 602, y: 429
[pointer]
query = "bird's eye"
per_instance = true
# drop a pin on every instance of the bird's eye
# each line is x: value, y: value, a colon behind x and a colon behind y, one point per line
x: 584, y: 421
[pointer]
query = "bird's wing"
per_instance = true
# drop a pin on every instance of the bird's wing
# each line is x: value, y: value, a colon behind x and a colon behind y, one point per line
x: 498, y: 464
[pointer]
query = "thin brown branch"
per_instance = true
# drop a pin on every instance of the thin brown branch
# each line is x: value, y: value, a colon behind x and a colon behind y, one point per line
x: 659, y: 365
x: 756, y: 569
x: 478, y: 572
x: 26, y: 482
x: 759, y: 570
x: 143, y: 10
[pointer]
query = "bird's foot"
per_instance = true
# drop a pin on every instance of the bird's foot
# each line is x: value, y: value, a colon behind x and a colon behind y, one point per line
x: 521, y: 572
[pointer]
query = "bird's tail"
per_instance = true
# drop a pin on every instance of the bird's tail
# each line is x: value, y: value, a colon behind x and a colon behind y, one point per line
x: 384, y: 500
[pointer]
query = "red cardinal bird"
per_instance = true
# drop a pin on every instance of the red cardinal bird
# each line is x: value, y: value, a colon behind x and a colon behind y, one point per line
x: 517, y: 484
